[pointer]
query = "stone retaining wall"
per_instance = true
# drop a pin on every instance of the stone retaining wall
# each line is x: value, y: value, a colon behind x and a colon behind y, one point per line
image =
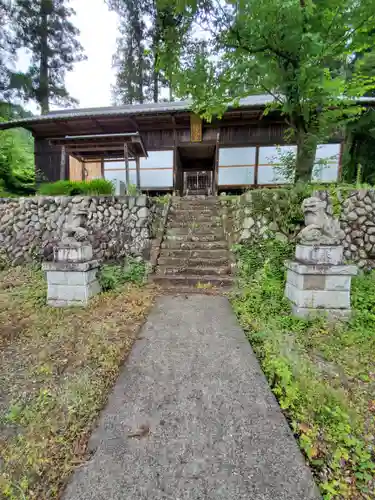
x: 354, y: 208
x: 118, y: 226
x: 356, y: 213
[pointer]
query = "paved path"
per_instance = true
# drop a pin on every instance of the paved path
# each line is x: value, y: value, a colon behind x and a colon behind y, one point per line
x: 216, y: 431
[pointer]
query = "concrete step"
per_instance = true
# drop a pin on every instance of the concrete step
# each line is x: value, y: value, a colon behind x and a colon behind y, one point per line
x: 195, y: 230
x: 193, y: 237
x: 203, y: 200
x: 192, y: 262
x: 190, y: 270
x: 214, y: 255
x: 194, y: 245
x: 190, y: 221
x: 195, y: 207
x: 193, y: 214
x: 190, y: 290
x: 199, y: 282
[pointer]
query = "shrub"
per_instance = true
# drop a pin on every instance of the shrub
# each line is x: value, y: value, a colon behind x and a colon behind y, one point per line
x: 112, y: 276
x: 73, y: 188
x: 100, y: 187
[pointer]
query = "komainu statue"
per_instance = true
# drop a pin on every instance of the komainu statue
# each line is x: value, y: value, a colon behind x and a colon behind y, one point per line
x: 73, y: 232
x: 321, y: 228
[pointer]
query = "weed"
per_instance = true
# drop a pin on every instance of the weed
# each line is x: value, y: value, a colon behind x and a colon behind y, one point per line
x: 162, y: 200
x: 112, y: 276
x: 204, y: 286
x: 322, y: 374
x: 56, y: 368
x: 132, y: 190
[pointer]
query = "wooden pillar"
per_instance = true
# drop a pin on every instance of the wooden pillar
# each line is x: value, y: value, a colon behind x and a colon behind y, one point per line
x: 256, y: 166
x: 126, y: 157
x: 216, y: 166
x: 138, y: 171
x: 174, y: 155
x: 341, y: 159
x: 102, y: 167
x: 63, y: 164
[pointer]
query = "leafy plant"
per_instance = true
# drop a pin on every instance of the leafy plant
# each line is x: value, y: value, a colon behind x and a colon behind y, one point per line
x: 321, y: 374
x: 132, y: 190
x: 282, y: 206
x: 17, y: 176
x: 73, y: 188
x: 112, y: 276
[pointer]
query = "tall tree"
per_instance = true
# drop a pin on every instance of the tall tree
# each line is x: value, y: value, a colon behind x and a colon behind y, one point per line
x: 142, y: 26
x: 7, y: 46
x: 294, y: 50
x: 131, y: 60
x: 44, y: 27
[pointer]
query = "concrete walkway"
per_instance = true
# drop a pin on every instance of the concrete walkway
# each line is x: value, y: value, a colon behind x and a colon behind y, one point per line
x: 192, y: 417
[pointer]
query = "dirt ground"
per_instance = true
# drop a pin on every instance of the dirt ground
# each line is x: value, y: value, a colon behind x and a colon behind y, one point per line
x: 56, y: 369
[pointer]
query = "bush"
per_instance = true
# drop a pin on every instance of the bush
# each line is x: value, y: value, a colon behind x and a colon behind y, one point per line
x: 73, y: 188
x: 112, y: 276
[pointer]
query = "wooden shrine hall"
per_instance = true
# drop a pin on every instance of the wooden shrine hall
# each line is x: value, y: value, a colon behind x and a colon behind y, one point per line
x: 165, y: 147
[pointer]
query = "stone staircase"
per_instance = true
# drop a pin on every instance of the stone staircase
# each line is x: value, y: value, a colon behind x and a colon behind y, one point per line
x: 194, y: 254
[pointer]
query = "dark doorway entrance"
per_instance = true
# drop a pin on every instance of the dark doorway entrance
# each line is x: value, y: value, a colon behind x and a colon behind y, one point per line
x: 196, y: 169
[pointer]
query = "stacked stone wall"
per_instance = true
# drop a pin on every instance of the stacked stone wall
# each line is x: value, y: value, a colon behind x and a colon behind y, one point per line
x: 117, y: 226
x: 354, y: 208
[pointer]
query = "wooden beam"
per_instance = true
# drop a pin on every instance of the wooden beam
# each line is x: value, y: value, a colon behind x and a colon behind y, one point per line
x: 126, y: 157
x: 138, y: 169
x: 63, y: 164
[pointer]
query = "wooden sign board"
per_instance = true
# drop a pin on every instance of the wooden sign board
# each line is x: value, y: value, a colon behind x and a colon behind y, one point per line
x: 196, y: 134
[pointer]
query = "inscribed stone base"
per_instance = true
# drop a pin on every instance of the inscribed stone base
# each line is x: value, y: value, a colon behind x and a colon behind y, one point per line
x: 74, y: 252
x: 71, y: 284
x: 332, y: 255
x: 319, y: 289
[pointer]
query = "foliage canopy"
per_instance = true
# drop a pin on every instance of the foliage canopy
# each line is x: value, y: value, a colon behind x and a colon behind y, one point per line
x: 299, y: 52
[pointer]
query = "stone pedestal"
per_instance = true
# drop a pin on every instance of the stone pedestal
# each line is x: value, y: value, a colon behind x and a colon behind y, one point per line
x: 72, y: 278
x: 318, y: 282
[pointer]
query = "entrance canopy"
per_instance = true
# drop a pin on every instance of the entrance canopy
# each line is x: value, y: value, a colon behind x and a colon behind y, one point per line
x: 106, y: 146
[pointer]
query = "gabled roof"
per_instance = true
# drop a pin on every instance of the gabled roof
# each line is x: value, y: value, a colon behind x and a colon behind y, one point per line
x: 123, y: 118
x: 125, y: 110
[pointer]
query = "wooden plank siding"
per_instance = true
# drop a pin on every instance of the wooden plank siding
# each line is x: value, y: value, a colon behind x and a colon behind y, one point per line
x: 75, y: 169
x: 48, y: 161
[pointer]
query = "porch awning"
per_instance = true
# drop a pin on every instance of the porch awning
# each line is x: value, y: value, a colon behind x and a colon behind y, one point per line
x: 102, y: 146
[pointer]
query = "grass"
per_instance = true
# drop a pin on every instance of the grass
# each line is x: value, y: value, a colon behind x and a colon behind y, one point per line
x: 323, y: 374
x: 56, y: 369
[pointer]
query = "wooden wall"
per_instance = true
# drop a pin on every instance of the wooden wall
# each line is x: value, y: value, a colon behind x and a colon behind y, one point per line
x: 48, y: 160
x: 75, y: 169
x: 79, y: 171
x: 93, y: 170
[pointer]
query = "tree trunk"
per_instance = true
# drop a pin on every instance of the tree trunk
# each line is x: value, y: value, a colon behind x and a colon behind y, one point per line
x: 155, y: 71
x: 306, y: 152
x: 43, y: 91
x: 155, y: 78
